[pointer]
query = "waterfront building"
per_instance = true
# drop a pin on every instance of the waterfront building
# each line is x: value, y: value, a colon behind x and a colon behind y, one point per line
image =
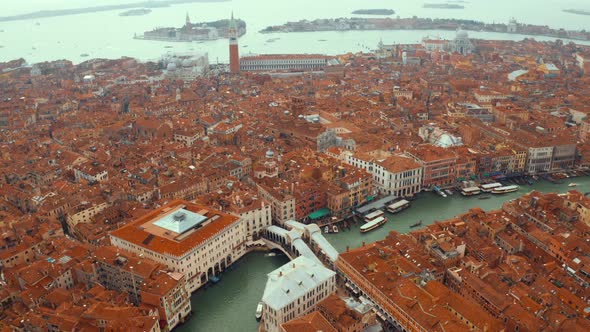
x: 335, y: 314
x: 313, y: 321
x: 281, y: 200
x: 438, y: 164
x: 392, y: 174
x: 256, y: 214
x: 351, y: 188
x: 294, y: 289
x: 286, y: 62
x: 188, y: 238
x: 234, y: 56
x: 407, y: 288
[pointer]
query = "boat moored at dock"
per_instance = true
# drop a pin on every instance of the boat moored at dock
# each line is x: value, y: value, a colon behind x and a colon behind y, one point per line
x: 259, y: 311
x: 373, y: 215
x: 488, y: 187
x: 373, y: 224
x: 505, y: 189
x: 398, y: 206
x: 470, y: 191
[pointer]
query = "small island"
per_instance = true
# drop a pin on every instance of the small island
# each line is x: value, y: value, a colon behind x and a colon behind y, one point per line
x: 577, y: 11
x: 443, y: 6
x: 201, y: 31
x: 374, y: 12
x: 136, y: 12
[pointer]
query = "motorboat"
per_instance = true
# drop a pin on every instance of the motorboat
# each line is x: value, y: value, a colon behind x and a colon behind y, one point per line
x: 373, y: 215
x: 373, y: 224
x: 505, y: 189
x: 259, y: 311
x: 398, y: 206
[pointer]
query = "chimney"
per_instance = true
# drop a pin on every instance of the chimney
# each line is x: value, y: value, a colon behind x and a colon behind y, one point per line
x: 363, y: 243
x: 280, y: 273
x: 293, y: 265
x: 347, y: 248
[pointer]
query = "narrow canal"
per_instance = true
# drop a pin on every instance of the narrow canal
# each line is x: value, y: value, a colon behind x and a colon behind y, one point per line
x: 230, y: 305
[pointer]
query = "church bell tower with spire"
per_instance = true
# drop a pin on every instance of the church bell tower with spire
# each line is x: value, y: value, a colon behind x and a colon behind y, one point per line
x: 234, y: 56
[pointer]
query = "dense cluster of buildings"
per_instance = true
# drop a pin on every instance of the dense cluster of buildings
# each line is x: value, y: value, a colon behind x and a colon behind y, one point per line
x: 122, y: 189
x: 521, y: 268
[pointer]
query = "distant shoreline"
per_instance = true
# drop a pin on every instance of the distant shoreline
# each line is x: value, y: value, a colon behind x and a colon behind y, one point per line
x: 75, y: 11
x: 416, y: 23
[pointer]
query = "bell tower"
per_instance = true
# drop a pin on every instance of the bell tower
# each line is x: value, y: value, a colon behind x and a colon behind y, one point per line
x: 234, y: 56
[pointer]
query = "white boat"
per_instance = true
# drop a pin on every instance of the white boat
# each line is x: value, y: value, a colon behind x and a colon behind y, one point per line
x: 373, y: 215
x: 487, y: 188
x: 335, y: 229
x: 470, y: 191
x: 398, y: 206
x: 259, y: 311
x: 572, y: 184
x: 504, y: 190
x: 373, y: 224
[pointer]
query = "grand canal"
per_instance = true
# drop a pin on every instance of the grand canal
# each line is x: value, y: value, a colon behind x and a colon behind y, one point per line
x: 230, y: 305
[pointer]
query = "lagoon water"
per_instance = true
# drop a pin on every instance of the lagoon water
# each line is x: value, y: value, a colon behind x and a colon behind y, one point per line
x: 108, y: 35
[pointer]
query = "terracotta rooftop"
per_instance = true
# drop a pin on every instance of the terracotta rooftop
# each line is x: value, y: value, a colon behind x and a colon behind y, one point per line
x: 142, y: 232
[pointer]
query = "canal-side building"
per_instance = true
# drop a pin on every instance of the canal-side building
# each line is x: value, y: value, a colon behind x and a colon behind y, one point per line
x: 407, y: 288
x: 336, y: 314
x: 438, y: 164
x: 392, y: 174
x: 188, y: 238
x: 281, y: 200
x: 255, y: 213
x: 293, y: 290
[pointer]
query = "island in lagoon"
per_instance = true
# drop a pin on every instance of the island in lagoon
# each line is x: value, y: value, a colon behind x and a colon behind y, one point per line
x: 577, y: 11
x: 416, y: 23
x: 195, y: 31
x: 136, y: 12
x: 374, y: 12
x: 443, y: 6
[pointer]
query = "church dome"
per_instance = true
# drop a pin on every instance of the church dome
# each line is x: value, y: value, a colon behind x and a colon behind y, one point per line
x: 462, y: 34
x: 171, y: 66
x: 270, y: 154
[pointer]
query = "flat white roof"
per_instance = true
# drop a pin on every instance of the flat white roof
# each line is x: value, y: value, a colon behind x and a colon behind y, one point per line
x: 293, y: 280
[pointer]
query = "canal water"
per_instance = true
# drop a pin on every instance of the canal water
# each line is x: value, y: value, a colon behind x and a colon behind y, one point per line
x: 430, y: 207
x: 231, y: 304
